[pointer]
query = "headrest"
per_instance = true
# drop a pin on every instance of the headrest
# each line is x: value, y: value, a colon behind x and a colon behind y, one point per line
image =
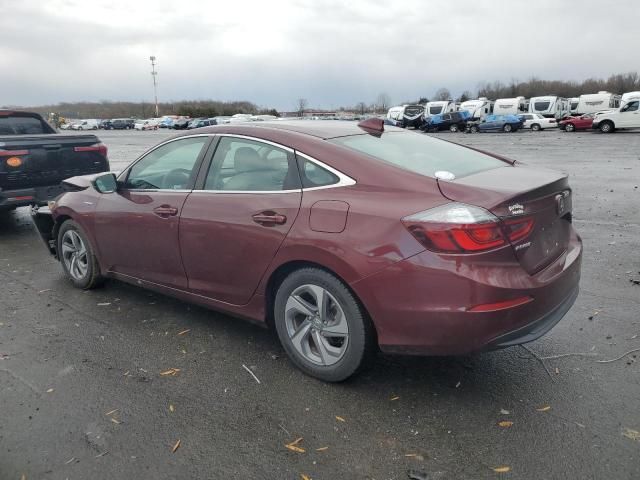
x: 246, y: 159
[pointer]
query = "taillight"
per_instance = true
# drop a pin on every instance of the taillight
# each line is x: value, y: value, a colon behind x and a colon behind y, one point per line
x: 11, y: 153
x: 101, y: 148
x: 460, y: 228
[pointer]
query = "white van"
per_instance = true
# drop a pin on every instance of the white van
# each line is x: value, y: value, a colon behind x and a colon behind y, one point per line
x: 550, y: 106
x: 627, y: 116
x: 597, y: 102
x: 436, y: 108
x: 628, y: 97
x: 478, y: 108
x: 573, y: 105
x: 90, y: 124
x: 511, y: 106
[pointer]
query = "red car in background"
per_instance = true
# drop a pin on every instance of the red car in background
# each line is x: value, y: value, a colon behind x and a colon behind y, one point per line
x: 345, y: 238
x: 583, y: 122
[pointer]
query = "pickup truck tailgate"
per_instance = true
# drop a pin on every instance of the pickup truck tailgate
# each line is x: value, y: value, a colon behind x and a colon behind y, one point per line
x: 48, y: 159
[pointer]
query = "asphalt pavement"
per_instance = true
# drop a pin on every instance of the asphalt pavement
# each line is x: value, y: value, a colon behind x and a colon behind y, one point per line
x: 121, y: 383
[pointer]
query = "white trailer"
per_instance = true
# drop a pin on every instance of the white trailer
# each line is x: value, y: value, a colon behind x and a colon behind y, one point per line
x: 550, y: 106
x: 478, y: 108
x: 573, y: 105
x: 436, y: 108
x: 511, y: 106
x: 597, y: 102
x: 407, y: 115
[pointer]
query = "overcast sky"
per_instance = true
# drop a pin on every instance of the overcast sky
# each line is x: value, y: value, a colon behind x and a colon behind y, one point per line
x: 332, y: 52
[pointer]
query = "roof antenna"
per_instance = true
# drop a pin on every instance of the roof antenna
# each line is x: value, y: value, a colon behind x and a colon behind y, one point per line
x: 373, y: 126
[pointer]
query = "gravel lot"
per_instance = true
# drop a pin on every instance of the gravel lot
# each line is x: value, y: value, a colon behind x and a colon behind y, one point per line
x: 82, y: 397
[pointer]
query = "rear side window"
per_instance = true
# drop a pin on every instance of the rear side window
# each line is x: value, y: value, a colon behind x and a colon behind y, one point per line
x: 420, y: 153
x: 23, y: 126
x: 313, y: 175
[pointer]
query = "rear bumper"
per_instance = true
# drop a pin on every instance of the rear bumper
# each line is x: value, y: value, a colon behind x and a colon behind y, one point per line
x: 422, y: 305
x: 29, y: 196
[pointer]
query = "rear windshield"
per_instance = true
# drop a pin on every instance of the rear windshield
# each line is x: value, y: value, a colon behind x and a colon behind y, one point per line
x: 541, y: 105
x: 23, y: 126
x: 420, y: 153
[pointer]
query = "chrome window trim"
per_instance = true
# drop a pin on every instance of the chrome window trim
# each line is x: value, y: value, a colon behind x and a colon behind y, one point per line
x: 259, y: 140
x: 264, y: 192
x: 161, y: 190
x: 343, y: 180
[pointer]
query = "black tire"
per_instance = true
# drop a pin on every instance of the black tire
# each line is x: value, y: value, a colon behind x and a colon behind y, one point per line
x: 92, y: 278
x: 361, y: 341
x: 474, y: 129
x: 606, y: 127
x: 453, y: 128
x: 536, y: 127
x: 507, y: 128
x: 569, y: 127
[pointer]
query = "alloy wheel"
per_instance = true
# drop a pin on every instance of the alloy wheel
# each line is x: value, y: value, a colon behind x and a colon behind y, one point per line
x: 74, y: 254
x: 316, y: 325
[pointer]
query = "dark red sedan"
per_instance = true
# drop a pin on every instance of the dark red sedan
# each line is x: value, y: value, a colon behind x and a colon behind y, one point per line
x: 583, y: 122
x: 345, y: 238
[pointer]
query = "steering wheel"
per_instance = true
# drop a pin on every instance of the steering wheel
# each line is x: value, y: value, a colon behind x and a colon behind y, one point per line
x: 176, y: 179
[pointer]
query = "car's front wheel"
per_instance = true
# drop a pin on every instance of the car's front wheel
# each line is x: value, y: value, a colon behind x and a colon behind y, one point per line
x: 569, y: 127
x: 453, y: 128
x: 507, y: 128
x: 606, y: 127
x: 321, y: 325
x: 77, y: 257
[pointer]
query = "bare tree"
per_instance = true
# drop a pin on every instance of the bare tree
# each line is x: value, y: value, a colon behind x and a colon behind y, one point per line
x: 302, y: 106
x: 464, y: 96
x: 383, y: 102
x: 442, y: 94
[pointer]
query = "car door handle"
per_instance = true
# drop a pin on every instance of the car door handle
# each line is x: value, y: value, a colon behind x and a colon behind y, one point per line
x: 269, y: 218
x: 165, y: 211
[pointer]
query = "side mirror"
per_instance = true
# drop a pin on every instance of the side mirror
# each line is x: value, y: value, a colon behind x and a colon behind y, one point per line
x: 106, y: 183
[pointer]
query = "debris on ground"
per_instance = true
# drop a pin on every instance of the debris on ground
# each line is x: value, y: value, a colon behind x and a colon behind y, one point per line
x: 293, y: 446
x: 252, y: 374
x: 631, y: 434
x: 176, y: 446
x: 502, y: 469
x: 171, y: 372
x: 417, y: 475
x: 546, y: 408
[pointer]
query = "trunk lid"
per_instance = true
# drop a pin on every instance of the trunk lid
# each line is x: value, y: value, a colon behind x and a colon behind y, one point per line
x: 518, y: 192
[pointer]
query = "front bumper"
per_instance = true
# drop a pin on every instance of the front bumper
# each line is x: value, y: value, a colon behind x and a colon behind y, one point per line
x: 29, y: 196
x: 421, y: 305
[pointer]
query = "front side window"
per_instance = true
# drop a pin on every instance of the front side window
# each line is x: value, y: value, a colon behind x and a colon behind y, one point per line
x: 246, y: 165
x: 630, y: 107
x: 170, y: 166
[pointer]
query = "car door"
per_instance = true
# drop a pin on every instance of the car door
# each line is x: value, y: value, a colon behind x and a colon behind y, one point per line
x: 233, y: 225
x: 137, y: 226
x: 629, y: 116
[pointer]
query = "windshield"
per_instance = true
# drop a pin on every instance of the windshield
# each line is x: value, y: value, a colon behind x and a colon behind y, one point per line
x: 541, y: 105
x: 420, y: 153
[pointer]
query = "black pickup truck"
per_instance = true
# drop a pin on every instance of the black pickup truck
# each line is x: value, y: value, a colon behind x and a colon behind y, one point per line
x: 34, y: 159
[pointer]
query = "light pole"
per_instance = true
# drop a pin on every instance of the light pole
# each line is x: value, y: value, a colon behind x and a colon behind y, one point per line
x: 154, y: 74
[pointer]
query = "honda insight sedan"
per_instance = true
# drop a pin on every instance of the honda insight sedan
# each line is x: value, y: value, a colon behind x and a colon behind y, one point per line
x: 345, y: 238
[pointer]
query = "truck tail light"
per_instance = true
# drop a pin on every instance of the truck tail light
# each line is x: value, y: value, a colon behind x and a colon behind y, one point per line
x: 96, y: 147
x: 460, y: 228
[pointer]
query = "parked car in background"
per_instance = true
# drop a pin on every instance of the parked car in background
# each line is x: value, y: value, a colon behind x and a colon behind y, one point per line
x: 628, y: 116
x: 202, y: 122
x: 65, y: 126
x: 454, y: 122
x: 537, y: 122
x: 122, y: 123
x: 181, y: 123
x: 34, y: 159
x: 149, y: 124
x: 334, y: 250
x: 571, y: 124
x: 499, y: 123
x: 85, y: 125
x: 105, y: 124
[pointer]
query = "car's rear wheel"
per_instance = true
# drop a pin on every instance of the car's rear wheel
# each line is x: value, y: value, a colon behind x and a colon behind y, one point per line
x: 570, y: 127
x: 606, y: 127
x: 535, y: 127
x: 77, y: 257
x: 321, y: 325
x: 474, y: 129
x: 453, y: 128
x: 507, y: 127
